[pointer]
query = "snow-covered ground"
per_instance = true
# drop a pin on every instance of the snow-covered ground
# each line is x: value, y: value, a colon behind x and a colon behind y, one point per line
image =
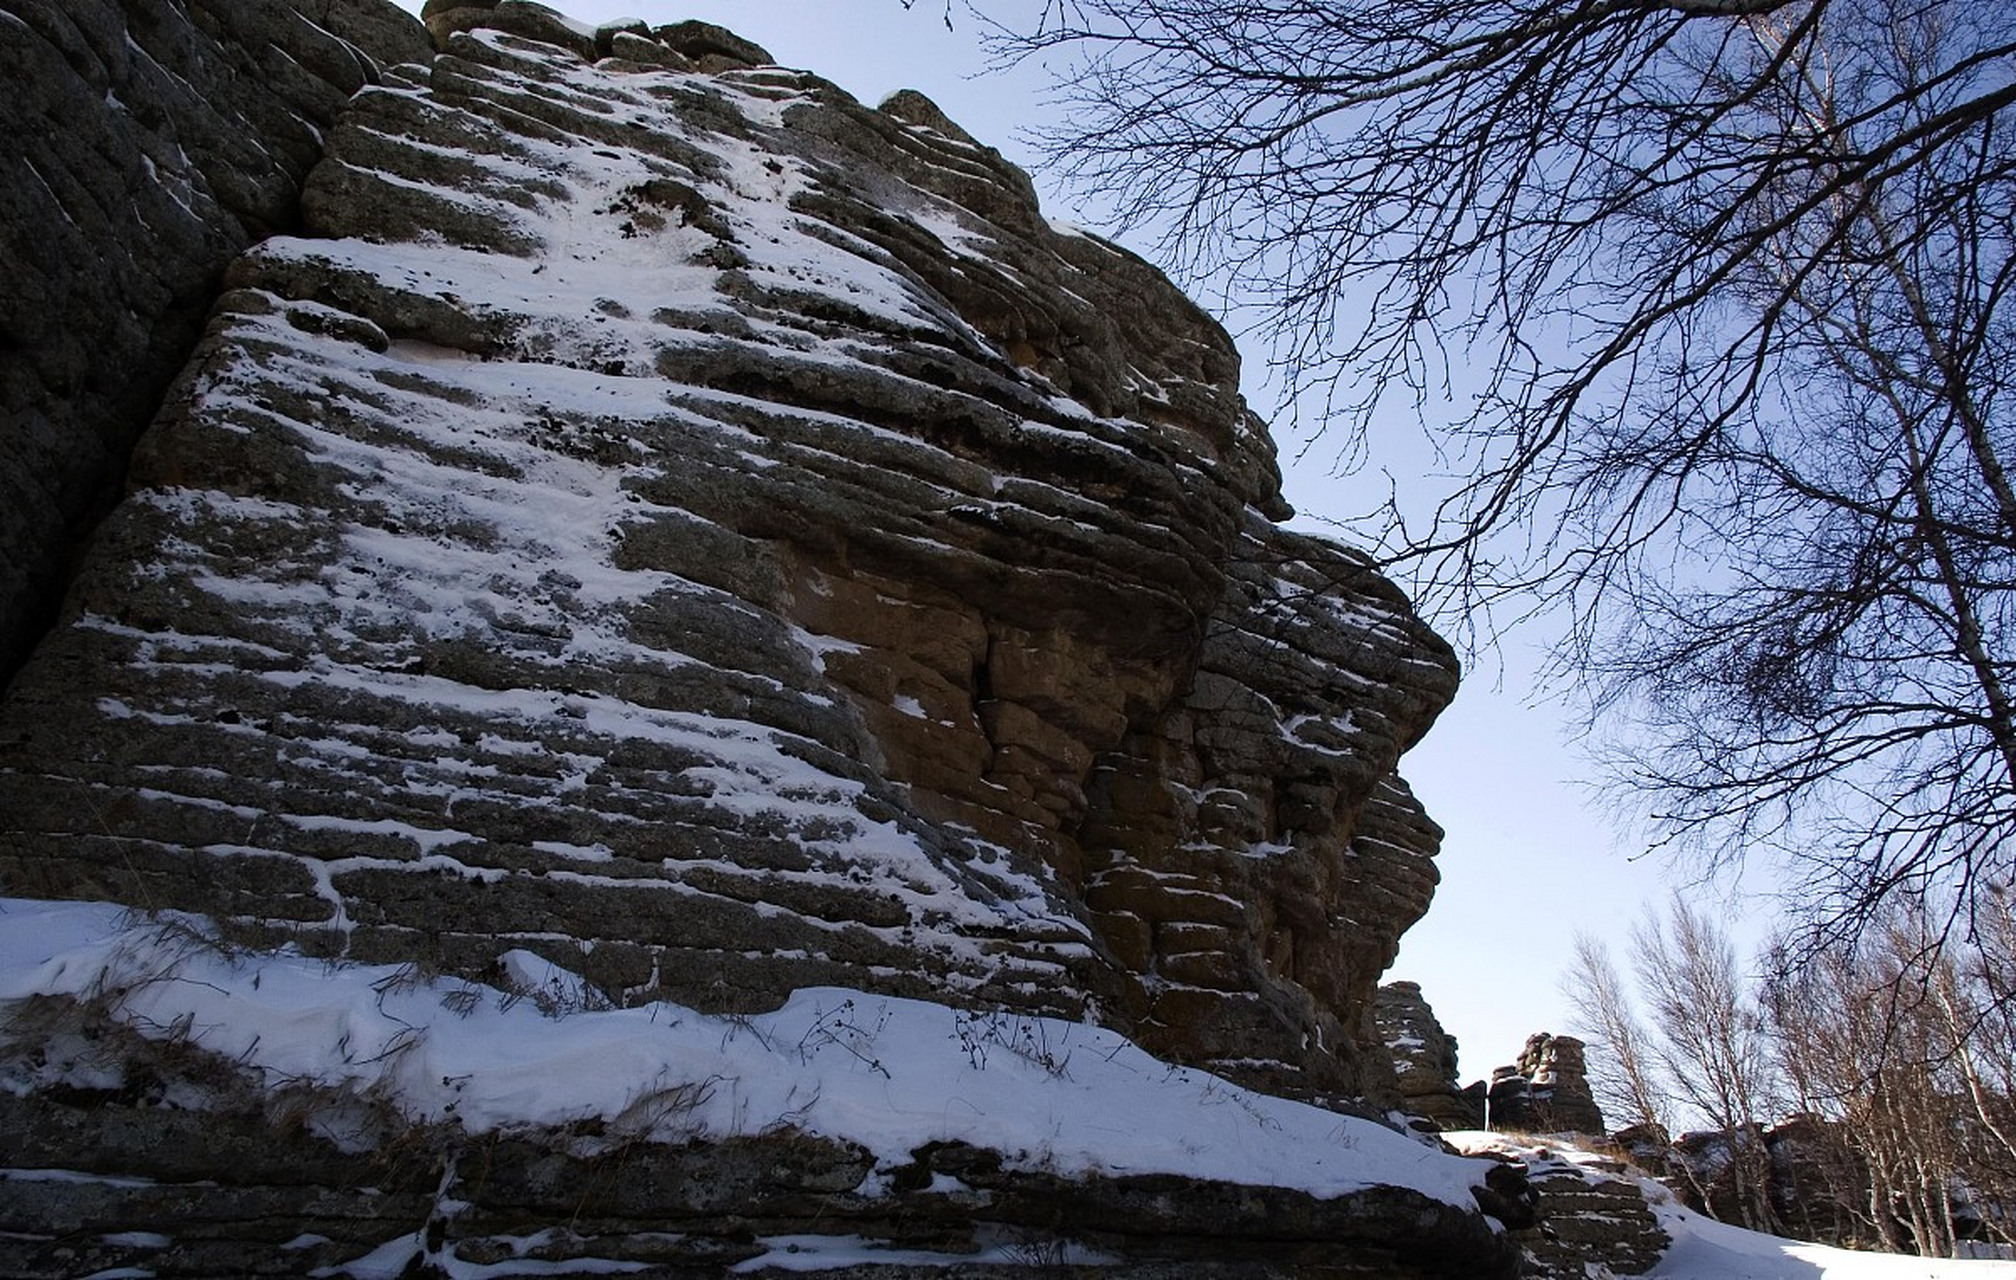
x: 1707, y: 1250
x: 1704, y: 1249
x: 889, y: 1074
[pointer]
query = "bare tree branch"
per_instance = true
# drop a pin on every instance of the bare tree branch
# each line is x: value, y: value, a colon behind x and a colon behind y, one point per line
x: 1704, y: 305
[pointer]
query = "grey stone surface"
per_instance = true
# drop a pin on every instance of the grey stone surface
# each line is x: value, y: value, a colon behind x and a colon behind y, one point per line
x: 141, y: 148
x: 1573, y: 1213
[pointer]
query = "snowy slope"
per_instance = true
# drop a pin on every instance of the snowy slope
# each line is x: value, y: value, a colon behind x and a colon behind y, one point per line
x: 1703, y: 1249
x: 889, y: 1074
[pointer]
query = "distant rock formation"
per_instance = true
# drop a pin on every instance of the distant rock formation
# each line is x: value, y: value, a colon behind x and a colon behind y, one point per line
x: 1545, y: 1091
x: 640, y: 508
x: 1558, y: 1096
x: 1815, y: 1179
x: 1424, y: 1058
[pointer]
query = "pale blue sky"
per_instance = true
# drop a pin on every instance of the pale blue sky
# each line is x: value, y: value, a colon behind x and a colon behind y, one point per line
x: 1527, y: 863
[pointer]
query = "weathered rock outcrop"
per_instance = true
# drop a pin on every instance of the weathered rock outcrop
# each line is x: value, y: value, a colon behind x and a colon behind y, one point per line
x: 1815, y: 1180
x: 1590, y: 1214
x: 1558, y: 1092
x: 146, y: 146
x: 1424, y: 1058
x: 665, y: 517
x: 722, y: 536
x: 1545, y: 1091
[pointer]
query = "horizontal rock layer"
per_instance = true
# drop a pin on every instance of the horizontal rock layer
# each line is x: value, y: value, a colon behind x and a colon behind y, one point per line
x: 1424, y: 1058
x: 291, y: 1182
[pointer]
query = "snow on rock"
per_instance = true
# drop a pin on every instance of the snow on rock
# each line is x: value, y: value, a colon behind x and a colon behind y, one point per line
x: 1704, y: 1249
x: 1598, y: 1216
x: 1424, y: 1057
x: 886, y: 1073
x: 895, y: 1082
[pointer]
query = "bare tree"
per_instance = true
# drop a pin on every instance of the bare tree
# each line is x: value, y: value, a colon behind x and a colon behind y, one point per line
x: 1711, y: 1042
x: 1971, y: 999
x: 1865, y: 1095
x: 1620, y: 1074
x: 1701, y: 1053
x: 1717, y: 292
x: 1867, y: 1032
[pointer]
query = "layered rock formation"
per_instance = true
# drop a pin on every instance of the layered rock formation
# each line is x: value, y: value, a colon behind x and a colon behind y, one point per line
x: 1546, y: 1091
x: 660, y: 515
x: 722, y: 536
x: 1591, y: 1216
x: 1557, y: 1097
x: 368, y: 1121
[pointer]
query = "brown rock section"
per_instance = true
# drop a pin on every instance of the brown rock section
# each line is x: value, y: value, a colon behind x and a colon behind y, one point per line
x: 1558, y: 1090
x: 668, y: 516
x: 1545, y: 1091
x: 142, y: 147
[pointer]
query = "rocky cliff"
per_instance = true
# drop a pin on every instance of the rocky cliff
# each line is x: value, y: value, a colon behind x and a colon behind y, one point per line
x: 721, y: 535
x: 655, y: 515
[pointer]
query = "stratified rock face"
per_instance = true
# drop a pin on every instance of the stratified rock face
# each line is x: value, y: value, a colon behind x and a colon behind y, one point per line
x: 665, y: 515
x: 146, y: 145
x: 234, y: 1191
x: 1424, y: 1058
x: 1546, y: 1091
x: 1559, y: 1092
